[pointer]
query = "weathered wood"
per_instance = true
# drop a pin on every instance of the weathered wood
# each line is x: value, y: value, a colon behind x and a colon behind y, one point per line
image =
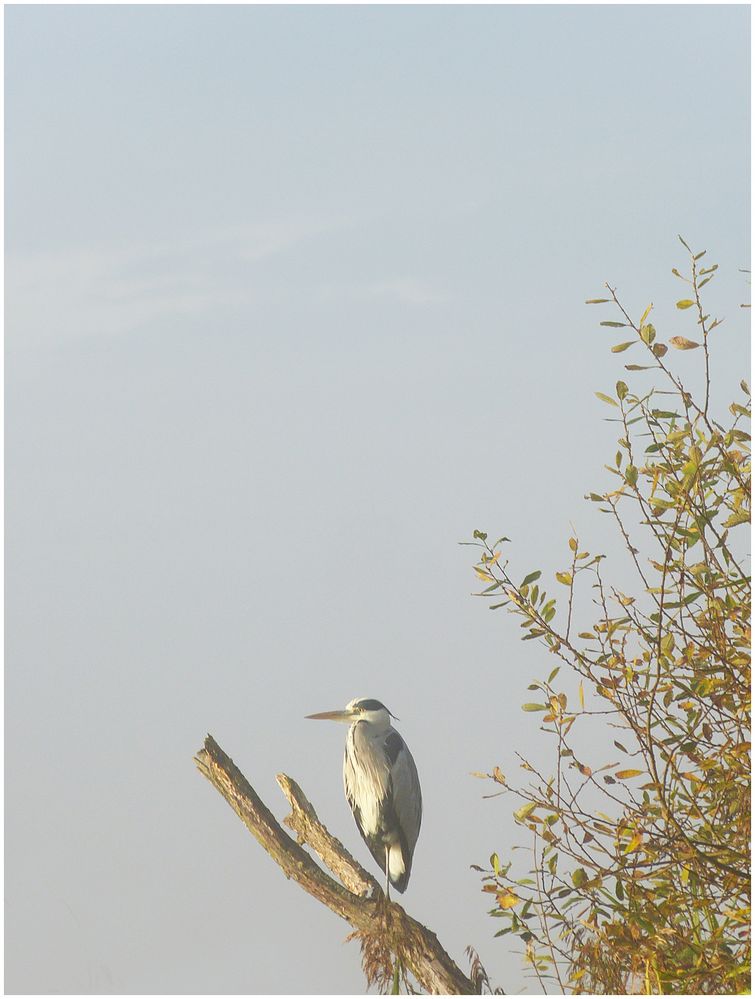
x: 304, y: 822
x: 359, y: 900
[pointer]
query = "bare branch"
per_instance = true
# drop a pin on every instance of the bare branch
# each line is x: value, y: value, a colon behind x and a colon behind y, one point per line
x: 304, y: 822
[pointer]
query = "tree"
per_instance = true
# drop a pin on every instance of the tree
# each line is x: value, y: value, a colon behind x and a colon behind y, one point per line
x: 639, y: 876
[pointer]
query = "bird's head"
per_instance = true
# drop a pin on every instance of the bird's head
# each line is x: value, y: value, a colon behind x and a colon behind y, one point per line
x: 361, y: 709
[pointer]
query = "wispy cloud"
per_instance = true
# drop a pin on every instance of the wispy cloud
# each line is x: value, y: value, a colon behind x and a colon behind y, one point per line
x: 94, y: 290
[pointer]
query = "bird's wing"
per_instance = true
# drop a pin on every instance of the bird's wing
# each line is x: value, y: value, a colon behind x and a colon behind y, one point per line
x: 405, y: 789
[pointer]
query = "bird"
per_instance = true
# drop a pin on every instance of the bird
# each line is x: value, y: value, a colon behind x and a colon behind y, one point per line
x: 382, y: 786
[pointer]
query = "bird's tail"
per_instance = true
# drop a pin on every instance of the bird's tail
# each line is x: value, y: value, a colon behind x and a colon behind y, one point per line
x: 399, y: 866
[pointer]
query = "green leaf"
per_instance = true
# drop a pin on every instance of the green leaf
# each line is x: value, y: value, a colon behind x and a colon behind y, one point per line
x: 522, y: 813
x: 534, y: 707
x: 612, y: 323
x: 531, y: 577
x: 647, y: 333
x: 597, y: 301
x: 684, y: 303
x: 564, y: 577
x: 606, y: 398
x: 738, y: 517
x: 621, y: 390
x: 667, y: 644
x: 620, y: 347
x: 631, y: 475
x: 579, y: 877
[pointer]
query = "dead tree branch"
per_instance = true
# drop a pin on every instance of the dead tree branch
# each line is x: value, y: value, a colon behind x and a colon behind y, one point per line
x: 383, y: 928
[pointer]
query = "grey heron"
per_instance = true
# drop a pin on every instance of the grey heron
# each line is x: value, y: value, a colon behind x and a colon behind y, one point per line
x: 382, y: 786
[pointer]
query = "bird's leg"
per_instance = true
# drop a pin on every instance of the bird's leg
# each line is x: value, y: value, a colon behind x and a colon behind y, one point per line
x: 387, y: 873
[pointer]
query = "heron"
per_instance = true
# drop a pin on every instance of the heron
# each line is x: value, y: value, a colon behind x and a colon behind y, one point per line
x: 382, y: 786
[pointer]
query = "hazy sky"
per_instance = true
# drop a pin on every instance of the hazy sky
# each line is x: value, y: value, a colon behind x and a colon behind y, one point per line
x: 294, y: 304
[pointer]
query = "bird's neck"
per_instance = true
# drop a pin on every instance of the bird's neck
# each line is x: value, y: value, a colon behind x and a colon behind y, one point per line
x: 371, y: 729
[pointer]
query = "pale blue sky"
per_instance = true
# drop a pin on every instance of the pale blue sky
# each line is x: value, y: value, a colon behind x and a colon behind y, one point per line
x: 294, y: 304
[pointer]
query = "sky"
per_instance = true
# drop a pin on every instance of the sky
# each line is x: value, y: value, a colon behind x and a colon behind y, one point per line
x: 294, y: 304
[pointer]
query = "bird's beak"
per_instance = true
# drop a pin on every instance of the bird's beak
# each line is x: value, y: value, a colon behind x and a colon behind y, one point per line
x: 340, y: 716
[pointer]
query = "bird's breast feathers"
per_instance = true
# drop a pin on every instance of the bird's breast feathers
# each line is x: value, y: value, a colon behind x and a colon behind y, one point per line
x: 367, y: 778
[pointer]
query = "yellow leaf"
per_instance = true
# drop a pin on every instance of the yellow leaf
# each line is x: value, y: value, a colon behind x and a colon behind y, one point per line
x: 522, y: 813
x: 581, y: 695
x: 633, y: 843
x: 606, y: 398
x: 682, y: 343
x: 507, y: 899
x: 623, y: 774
